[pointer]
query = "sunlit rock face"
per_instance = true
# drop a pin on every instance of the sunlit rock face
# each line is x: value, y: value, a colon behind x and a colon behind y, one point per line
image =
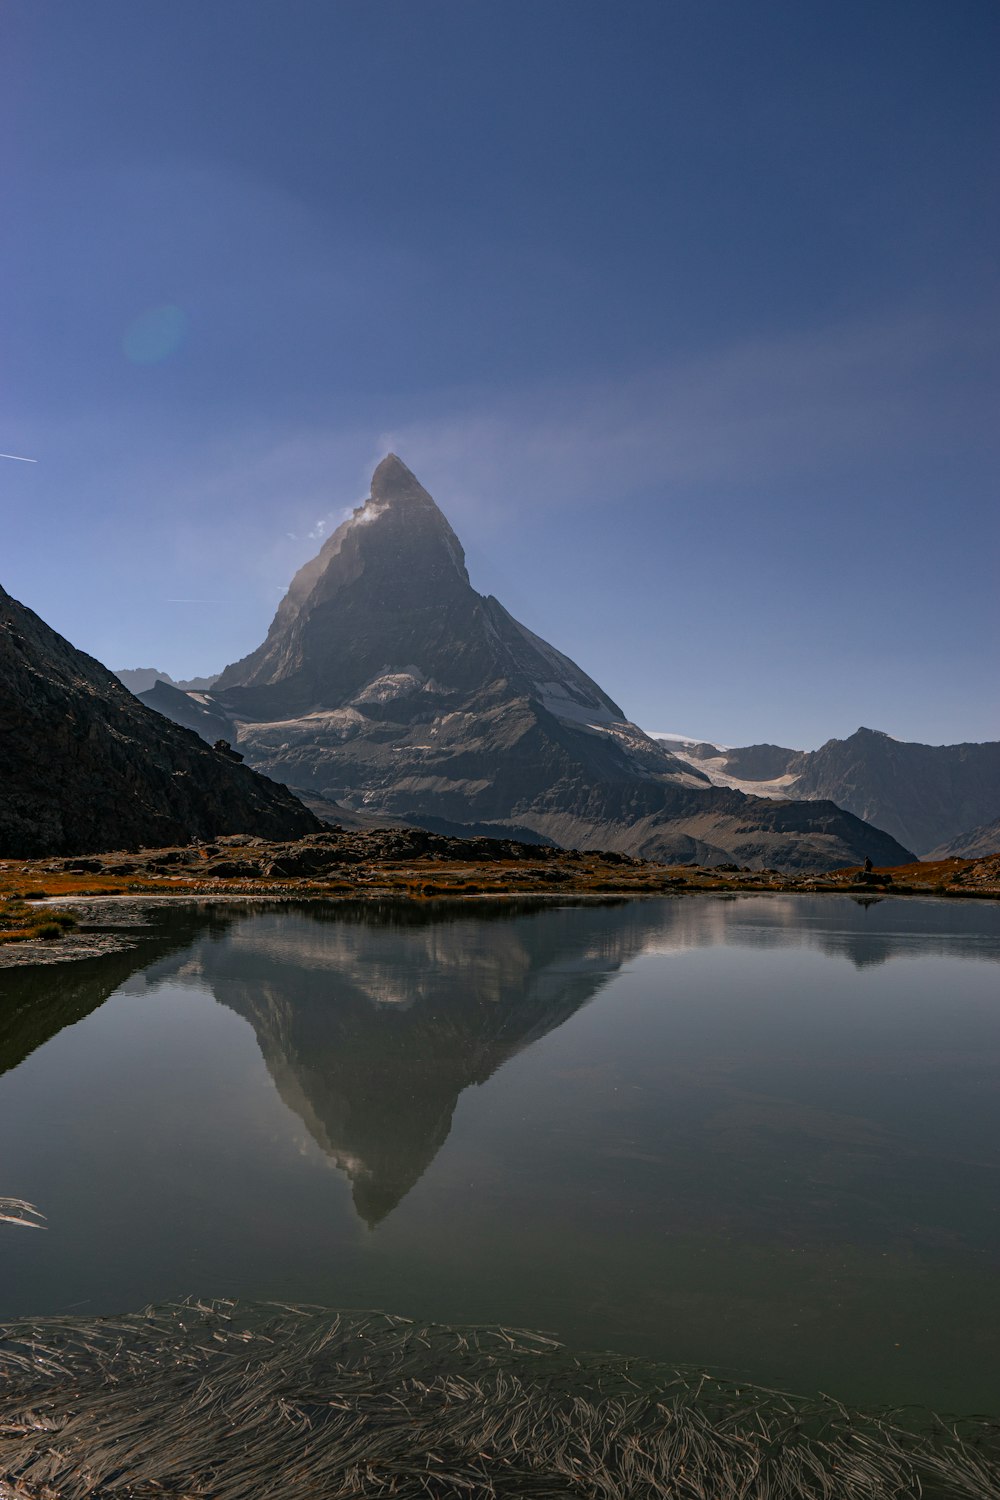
x: 387, y: 683
x: 87, y: 767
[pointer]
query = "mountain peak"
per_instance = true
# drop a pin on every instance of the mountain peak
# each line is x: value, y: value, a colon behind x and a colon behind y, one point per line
x: 389, y: 586
x: 392, y: 480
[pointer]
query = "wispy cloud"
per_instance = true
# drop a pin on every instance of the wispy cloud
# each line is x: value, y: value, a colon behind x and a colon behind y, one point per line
x: 749, y: 419
x: 777, y: 410
x: 757, y: 412
x: 253, y: 503
x: 321, y: 528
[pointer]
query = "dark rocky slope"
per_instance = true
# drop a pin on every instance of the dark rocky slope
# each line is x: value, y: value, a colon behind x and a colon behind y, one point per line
x: 922, y: 794
x: 387, y: 683
x: 87, y: 767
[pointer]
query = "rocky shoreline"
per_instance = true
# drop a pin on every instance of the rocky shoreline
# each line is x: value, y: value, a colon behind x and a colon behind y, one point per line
x: 107, y: 893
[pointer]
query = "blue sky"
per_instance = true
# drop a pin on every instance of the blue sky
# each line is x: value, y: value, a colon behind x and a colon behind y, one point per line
x: 684, y: 312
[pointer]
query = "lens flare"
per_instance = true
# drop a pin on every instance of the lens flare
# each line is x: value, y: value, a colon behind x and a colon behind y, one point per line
x: 155, y: 334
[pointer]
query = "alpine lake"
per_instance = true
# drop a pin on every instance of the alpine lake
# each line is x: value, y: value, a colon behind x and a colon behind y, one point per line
x: 757, y: 1133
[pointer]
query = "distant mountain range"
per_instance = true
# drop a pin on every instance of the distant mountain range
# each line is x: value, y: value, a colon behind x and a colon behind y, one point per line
x: 88, y: 767
x: 388, y: 685
x: 141, y: 679
x: 926, y: 796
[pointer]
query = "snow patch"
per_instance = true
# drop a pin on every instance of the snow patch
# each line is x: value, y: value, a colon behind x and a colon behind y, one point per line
x: 370, y: 511
x: 686, y: 739
x: 560, y: 700
x: 778, y: 789
x: 339, y: 722
x: 643, y: 752
x: 388, y: 686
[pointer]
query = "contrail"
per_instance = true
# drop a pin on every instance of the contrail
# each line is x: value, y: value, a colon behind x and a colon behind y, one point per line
x: 19, y: 458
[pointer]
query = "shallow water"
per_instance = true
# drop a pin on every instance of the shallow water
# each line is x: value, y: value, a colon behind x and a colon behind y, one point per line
x: 760, y: 1134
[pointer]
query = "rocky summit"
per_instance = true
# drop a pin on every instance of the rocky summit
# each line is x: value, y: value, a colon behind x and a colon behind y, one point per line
x: 387, y: 683
x: 86, y: 766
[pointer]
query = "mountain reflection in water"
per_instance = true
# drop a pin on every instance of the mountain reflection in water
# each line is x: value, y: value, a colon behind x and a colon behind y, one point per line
x: 715, y: 1130
x: 37, y: 1003
x: 373, y: 1020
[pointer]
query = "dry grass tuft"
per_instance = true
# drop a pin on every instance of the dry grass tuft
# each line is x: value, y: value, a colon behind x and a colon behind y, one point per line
x: 20, y: 922
x: 233, y: 1401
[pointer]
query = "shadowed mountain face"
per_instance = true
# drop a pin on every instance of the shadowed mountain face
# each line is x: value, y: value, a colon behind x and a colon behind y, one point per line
x: 87, y: 767
x: 194, y: 710
x: 922, y: 794
x: 387, y: 683
x: 391, y: 583
x: 373, y: 1022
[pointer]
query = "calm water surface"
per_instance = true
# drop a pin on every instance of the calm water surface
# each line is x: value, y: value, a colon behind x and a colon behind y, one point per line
x: 761, y: 1134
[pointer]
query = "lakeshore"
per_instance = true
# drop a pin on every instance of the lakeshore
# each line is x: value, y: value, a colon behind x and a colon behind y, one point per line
x: 396, y: 864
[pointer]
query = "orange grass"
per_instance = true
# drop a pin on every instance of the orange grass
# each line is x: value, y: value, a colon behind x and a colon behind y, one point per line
x: 32, y: 880
x: 19, y: 922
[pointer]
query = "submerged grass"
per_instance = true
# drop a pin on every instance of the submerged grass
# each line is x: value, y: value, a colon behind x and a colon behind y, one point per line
x: 232, y: 1401
x: 17, y: 1211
